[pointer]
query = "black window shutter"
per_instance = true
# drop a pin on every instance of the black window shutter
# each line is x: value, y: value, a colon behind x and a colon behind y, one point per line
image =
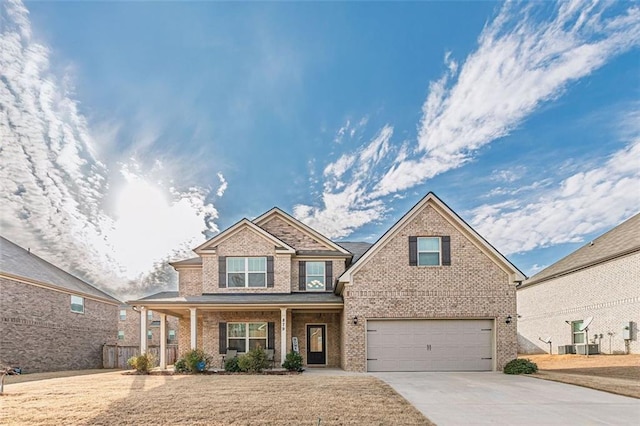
x: 222, y: 337
x: 271, y: 335
x: 413, y: 251
x: 328, y: 272
x: 302, y: 275
x: 222, y: 272
x: 446, y: 250
x: 269, y: 271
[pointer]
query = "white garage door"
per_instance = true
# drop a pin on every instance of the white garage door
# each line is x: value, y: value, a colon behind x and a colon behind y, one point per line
x: 430, y: 345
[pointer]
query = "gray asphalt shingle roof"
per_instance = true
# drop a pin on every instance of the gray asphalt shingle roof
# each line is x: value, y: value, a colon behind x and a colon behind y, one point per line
x: 619, y: 241
x: 356, y: 248
x: 16, y: 261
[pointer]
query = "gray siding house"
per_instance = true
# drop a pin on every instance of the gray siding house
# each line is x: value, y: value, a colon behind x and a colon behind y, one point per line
x: 49, y: 319
x: 600, y: 280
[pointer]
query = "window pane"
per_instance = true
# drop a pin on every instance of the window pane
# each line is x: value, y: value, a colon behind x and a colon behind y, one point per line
x: 257, y: 264
x: 235, y: 264
x: 429, y: 244
x: 428, y: 259
x: 77, y: 304
x: 235, y: 280
x: 257, y: 279
x: 254, y: 343
x: 237, y: 344
x: 576, y: 325
x: 123, y: 314
x: 315, y: 268
x: 315, y: 283
x: 258, y: 329
x: 578, y: 338
x: 236, y: 330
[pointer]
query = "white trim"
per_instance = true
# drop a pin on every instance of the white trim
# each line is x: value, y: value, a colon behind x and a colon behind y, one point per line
x: 439, y: 251
x: 163, y: 341
x: 247, y: 338
x: 243, y: 224
x: 324, y: 275
x: 246, y: 271
x: 71, y: 304
x: 451, y: 217
x: 193, y: 317
x: 300, y: 226
x: 283, y: 334
x: 143, y: 331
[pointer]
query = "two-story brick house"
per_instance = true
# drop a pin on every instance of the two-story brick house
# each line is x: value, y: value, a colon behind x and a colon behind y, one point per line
x: 431, y: 294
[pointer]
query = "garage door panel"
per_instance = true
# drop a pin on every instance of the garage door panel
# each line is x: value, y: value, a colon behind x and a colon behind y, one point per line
x: 429, y: 345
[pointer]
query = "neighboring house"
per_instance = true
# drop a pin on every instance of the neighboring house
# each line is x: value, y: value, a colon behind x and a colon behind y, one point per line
x: 431, y: 294
x: 600, y: 280
x: 129, y: 327
x: 49, y: 319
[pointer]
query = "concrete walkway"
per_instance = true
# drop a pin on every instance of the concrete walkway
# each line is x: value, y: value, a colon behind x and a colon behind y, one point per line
x: 501, y: 399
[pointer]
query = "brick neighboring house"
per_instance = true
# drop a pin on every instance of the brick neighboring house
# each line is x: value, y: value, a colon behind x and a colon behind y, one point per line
x: 430, y: 295
x: 599, y: 280
x: 129, y: 327
x: 49, y: 319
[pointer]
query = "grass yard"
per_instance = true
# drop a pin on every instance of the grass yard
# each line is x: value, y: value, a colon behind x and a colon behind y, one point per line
x: 117, y: 399
x: 618, y: 374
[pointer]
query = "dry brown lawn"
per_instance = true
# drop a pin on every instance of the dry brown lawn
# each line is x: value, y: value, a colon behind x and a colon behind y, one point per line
x: 118, y: 399
x: 618, y: 374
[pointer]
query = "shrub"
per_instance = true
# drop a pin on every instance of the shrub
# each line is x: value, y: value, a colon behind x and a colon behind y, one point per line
x: 231, y: 365
x: 197, y: 361
x: 293, y: 361
x: 142, y: 363
x: 520, y: 366
x: 180, y: 366
x: 253, y: 361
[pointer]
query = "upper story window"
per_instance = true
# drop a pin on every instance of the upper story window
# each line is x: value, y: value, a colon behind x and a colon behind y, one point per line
x: 120, y: 334
x: 123, y: 314
x: 172, y: 334
x: 430, y: 251
x: 246, y: 272
x: 150, y: 315
x: 77, y: 304
x: 315, y: 276
x: 149, y: 334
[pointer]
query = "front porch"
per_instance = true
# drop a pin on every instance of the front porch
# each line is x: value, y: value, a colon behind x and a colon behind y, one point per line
x: 216, y: 323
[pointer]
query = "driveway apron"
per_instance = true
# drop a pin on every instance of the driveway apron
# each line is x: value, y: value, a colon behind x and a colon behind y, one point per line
x: 499, y: 399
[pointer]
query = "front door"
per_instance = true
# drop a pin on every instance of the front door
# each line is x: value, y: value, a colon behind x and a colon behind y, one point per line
x: 316, y: 348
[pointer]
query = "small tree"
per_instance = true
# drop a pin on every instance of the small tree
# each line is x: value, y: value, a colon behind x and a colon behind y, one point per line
x: 293, y: 361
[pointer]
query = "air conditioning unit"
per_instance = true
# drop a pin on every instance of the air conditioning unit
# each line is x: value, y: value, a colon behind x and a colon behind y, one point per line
x: 592, y: 349
x: 566, y: 349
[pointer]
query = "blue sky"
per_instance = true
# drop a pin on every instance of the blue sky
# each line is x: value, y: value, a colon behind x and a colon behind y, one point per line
x: 132, y: 130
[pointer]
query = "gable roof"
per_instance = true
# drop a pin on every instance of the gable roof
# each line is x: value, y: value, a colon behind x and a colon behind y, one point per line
x: 16, y: 262
x: 620, y: 241
x: 301, y: 226
x: 209, y: 246
x: 454, y: 219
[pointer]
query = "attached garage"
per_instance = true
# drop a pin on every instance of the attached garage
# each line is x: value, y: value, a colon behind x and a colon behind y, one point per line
x: 430, y: 345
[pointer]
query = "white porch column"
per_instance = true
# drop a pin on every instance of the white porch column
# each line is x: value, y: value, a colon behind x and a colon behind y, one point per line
x: 143, y: 330
x: 163, y: 341
x: 194, y: 328
x: 283, y: 334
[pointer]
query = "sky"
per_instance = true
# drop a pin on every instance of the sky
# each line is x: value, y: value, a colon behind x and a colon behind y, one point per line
x: 131, y: 132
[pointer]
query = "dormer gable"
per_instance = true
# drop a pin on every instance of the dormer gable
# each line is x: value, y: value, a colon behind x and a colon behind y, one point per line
x: 296, y: 234
x: 454, y: 222
x: 209, y: 247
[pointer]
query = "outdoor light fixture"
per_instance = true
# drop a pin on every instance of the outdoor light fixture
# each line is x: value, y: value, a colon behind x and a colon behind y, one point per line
x: 508, y: 320
x: 355, y: 320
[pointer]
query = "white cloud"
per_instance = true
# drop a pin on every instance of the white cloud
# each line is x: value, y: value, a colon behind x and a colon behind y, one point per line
x: 55, y: 192
x: 584, y: 202
x: 520, y: 63
x: 223, y: 185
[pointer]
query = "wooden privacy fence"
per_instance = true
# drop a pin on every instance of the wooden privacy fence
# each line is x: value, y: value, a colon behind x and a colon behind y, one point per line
x: 116, y: 356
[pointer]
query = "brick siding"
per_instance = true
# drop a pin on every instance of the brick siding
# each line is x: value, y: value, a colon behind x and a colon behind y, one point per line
x: 608, y: 292
x: 38, y: 331
x: 474, y: 286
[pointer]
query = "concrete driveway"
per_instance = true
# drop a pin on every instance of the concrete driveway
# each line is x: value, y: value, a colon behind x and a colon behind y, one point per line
x: 501, y: 399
